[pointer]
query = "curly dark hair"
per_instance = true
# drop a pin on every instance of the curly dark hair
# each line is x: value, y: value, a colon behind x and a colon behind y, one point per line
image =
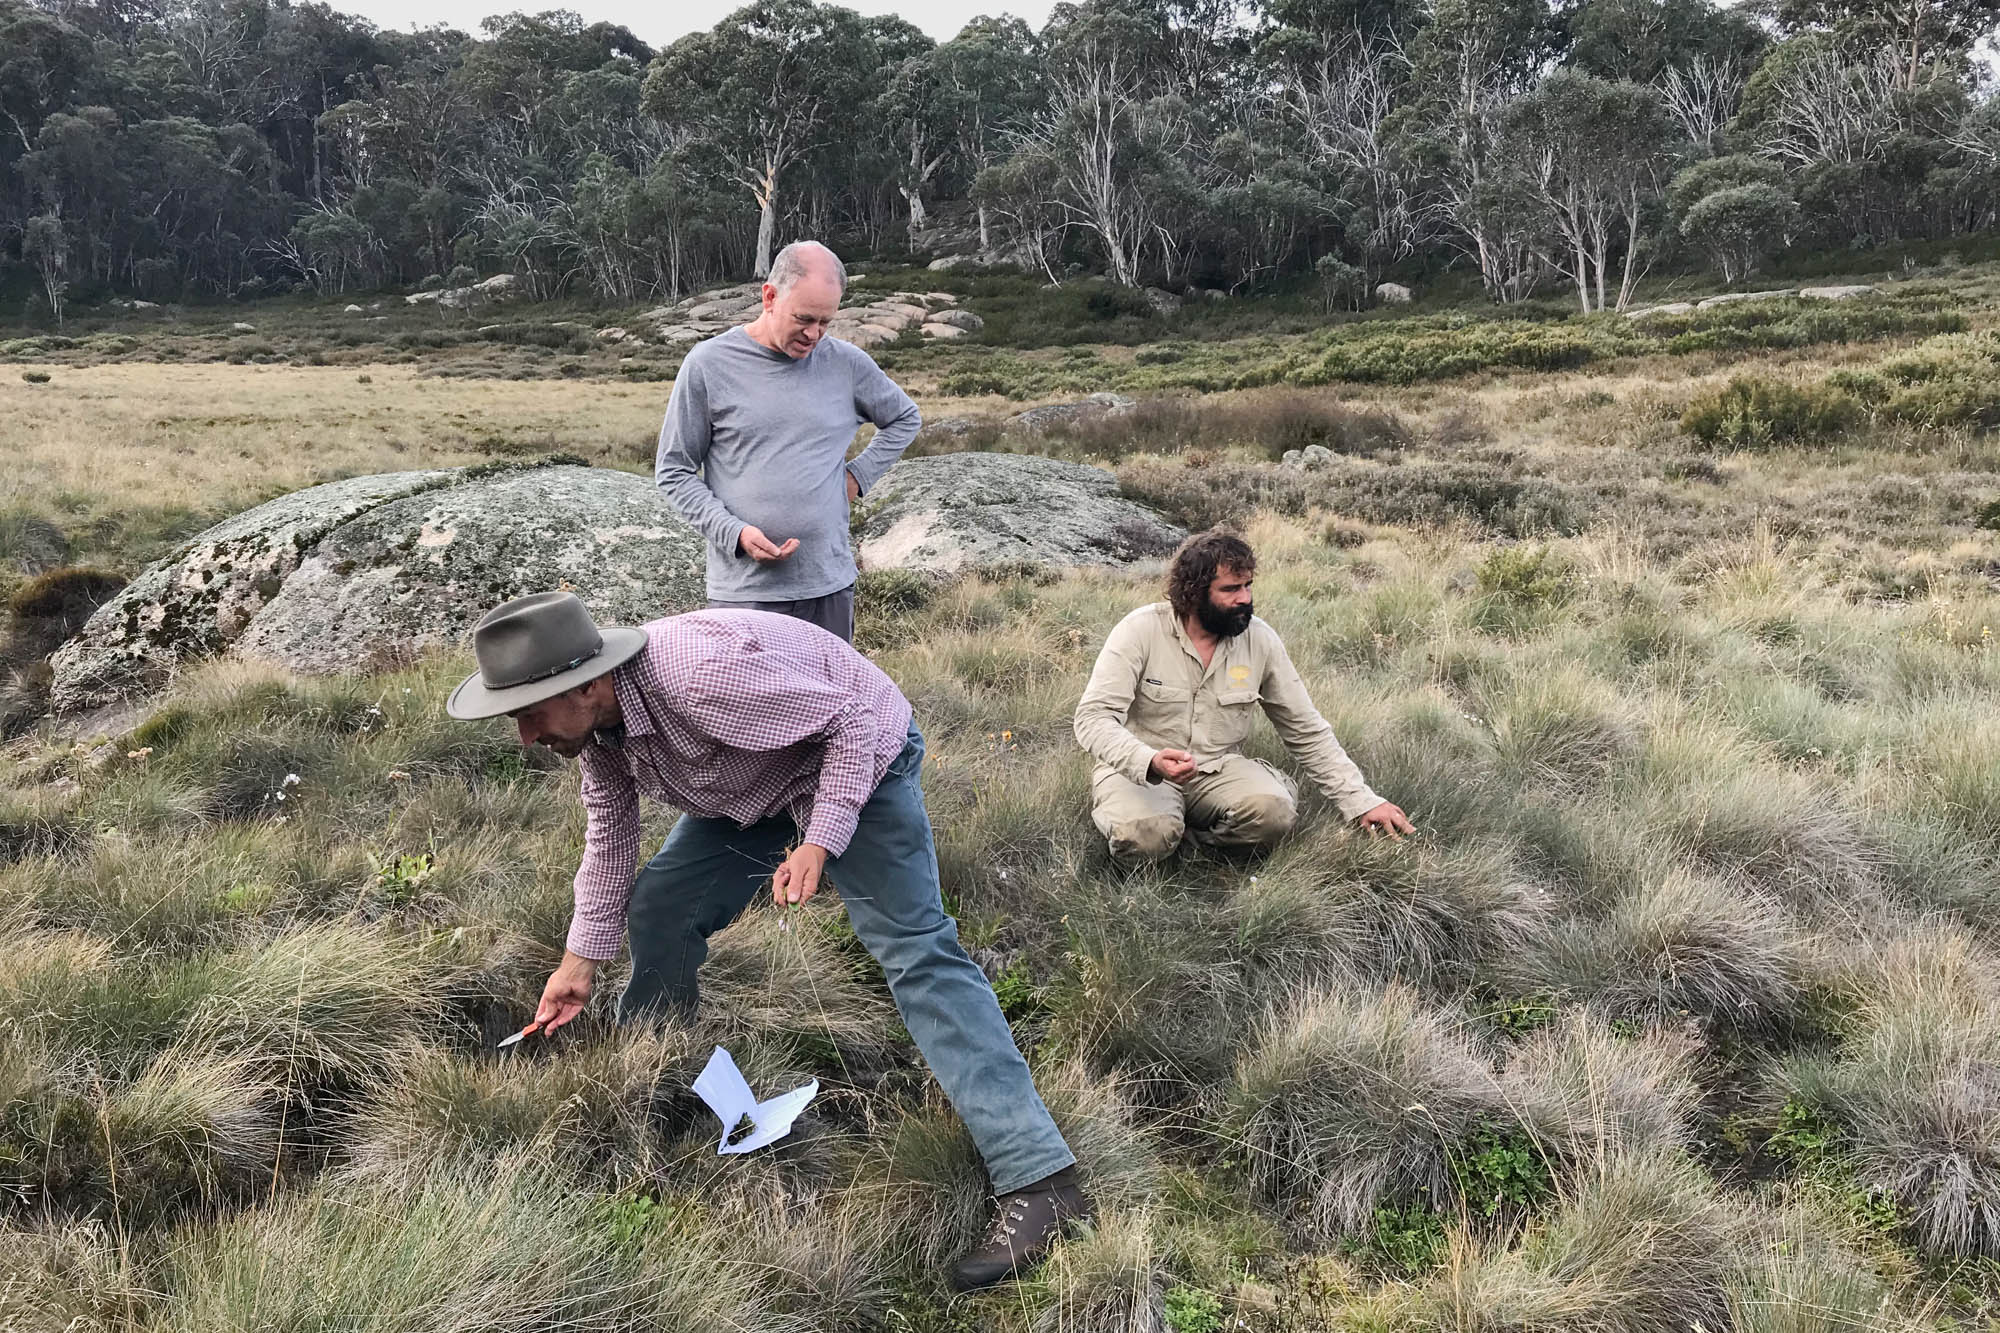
x: 1196, y: 563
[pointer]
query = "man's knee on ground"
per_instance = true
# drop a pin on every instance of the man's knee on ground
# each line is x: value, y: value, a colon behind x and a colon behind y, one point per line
x: 1259, y: 818
x: 1152, y: 838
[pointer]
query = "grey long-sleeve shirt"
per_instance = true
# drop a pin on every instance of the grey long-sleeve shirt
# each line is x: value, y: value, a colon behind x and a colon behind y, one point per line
x: 755, y: 437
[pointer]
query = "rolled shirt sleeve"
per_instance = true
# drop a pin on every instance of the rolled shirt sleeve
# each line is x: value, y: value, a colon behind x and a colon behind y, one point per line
x: 685, y: 436
x: 610, y: 856
x: 1310, y: 737
x: 879, y: 399
x: 1107, y: 701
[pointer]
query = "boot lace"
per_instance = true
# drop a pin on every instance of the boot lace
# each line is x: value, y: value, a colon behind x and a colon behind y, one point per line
x: 1012, y: 1213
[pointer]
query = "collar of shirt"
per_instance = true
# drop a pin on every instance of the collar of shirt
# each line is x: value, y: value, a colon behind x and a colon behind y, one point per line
x: 632, y: 706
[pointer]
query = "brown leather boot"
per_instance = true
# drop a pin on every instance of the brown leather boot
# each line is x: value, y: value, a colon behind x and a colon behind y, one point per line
x: 1027, y: 1223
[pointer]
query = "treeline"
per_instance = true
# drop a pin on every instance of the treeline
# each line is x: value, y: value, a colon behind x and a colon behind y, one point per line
x: 180, y: 148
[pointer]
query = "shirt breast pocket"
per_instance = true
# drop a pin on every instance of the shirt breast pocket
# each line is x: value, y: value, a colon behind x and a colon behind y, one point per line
x: 1161, y: 710
x: 1233, y: 715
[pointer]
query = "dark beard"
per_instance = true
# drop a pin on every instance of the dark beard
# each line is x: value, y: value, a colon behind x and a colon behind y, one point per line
x: 1225, y: 624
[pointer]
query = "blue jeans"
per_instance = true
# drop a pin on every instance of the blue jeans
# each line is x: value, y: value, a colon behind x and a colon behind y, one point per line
x: 708, y: 871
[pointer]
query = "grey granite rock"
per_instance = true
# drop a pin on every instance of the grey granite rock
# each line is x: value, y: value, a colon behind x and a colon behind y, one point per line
x: 362, y: 572
x: 1670, y: 308
x: 1732, y: 298
x: 962, y: 513
x: 1842, y: 293
x: 1063, y: 414
x: 1393, y: 293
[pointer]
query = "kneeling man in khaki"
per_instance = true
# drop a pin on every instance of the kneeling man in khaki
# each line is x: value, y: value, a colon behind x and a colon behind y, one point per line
x: 1168, y: 707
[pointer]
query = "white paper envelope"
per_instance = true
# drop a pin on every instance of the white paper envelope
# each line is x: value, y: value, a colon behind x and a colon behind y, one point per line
x: 721, y: 1085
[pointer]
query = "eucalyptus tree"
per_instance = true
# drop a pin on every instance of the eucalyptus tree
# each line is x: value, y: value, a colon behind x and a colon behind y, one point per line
x: 1595, y: 153
x: 771, y: 84
x: 1738, y: 208
x: 991, y: 73
x: 1469, y: 61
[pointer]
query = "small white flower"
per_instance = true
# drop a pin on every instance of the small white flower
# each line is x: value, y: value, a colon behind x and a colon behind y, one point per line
x: 291, y: 780
x: 281, y: 796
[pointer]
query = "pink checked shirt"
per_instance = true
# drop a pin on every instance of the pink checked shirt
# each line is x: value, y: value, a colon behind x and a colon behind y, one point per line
x: 731, y: 715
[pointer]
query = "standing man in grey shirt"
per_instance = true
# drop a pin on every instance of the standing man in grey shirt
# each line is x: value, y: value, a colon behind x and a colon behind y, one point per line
x: 754, y: 448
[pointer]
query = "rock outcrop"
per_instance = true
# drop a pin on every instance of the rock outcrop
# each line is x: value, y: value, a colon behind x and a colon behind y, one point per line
x: 963, y: 513
x: 499, y: 287
x: 1670, y: 308
x: 1393, y: 293
x: 362, y: 572
x: 1068, y: 414
x: 865, y: 324
x: 1732, y: 298
x: 1843, y: 293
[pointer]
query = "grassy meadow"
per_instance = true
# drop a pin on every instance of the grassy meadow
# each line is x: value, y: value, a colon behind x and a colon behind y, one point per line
x: 1674, y: 637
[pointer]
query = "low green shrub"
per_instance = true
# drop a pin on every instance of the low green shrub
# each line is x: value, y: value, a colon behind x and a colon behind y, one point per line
x: 1949, y: 381
x: 35, y: 376
x: 1527, y: 575
x: 1754, y: 412
x: 1407, y: 351
x: 1415, y: 494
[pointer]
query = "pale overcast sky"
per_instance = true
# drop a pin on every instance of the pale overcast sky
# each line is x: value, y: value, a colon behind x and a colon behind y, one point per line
x: 657, y: 24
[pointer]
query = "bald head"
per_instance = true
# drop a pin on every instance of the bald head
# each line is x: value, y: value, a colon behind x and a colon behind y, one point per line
x: 801, y: 295
x: 806, y: 259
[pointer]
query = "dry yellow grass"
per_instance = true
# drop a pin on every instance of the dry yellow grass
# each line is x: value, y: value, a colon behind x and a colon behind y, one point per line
x: 212, y: 439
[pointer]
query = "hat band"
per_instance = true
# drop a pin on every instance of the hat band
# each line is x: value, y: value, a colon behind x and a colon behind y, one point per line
x: 553, y: 671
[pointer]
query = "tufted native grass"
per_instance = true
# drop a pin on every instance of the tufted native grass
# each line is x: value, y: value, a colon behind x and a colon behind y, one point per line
x: 1699, y: 748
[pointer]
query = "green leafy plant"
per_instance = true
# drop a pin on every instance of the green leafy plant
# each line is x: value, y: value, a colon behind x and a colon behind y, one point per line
x: 1192, y: 1310
x: 1498, y: 1168
x: 398, y: 879
x: 1803, y: 1136
x: 1406, y: 1240
x: 1020, y: 997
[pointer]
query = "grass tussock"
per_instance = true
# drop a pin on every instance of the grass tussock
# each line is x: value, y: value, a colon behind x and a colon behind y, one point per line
x: 1679, y: 1008
x: 1910, y: 1093
x: 1350, y: 1101
x: 1642, y: 1246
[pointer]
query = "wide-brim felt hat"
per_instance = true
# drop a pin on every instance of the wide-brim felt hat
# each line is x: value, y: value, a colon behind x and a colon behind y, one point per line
x: 534, y: 648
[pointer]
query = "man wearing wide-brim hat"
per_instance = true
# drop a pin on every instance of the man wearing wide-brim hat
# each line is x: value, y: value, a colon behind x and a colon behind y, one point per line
x: 769, y: 733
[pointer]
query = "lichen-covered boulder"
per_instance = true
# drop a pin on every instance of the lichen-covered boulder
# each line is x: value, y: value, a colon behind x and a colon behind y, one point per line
x: 963, y: 513
x: 1057, y: 415
x: 359, y: 573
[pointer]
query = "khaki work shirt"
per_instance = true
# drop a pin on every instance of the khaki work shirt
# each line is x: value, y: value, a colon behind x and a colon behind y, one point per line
x: 1149, y: 692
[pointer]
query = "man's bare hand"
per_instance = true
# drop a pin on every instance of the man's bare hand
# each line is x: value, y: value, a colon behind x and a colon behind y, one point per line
x: 853, y: 488
x: 567, y: 992
x: 1388, y: 818
x: 1175, y: 766
x: 762, y: 549
x: 798, y: 878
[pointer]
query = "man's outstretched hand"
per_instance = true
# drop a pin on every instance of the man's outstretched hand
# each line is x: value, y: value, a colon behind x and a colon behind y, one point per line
x: 853, y: 488
x: 567, y: 992
x: 798, y: 878
x: 1388, y: 818
x: 1175, y: 766
x: 762, y: 549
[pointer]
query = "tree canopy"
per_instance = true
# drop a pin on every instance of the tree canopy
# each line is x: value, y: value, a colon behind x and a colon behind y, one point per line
x: 225, y: 147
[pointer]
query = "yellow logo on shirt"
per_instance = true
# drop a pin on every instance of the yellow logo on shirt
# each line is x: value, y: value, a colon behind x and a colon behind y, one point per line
x: 1239, y: 675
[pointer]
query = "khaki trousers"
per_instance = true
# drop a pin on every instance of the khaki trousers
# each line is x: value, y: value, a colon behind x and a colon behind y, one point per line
x: 1234, y: 801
